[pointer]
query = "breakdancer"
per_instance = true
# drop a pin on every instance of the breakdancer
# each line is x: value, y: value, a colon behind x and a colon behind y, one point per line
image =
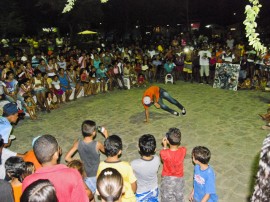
x: 154, y: 96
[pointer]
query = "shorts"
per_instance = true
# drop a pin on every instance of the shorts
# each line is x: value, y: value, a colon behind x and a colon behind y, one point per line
x: 204, y: 70
x: 91, y: 183
x: 172, y: 189
x: 188, y: 68
x: 149, y: 196
x: 179, y: 68
x: 58, y: 92
x: 39, y: 90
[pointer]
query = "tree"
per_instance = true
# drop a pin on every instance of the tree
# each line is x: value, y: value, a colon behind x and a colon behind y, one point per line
x: 11, y: 19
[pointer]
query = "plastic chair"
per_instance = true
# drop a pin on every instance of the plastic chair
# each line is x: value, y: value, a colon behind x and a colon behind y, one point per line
x: 168, y: 78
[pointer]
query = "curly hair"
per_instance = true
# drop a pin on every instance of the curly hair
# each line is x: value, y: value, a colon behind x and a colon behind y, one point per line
x: 262, y: 187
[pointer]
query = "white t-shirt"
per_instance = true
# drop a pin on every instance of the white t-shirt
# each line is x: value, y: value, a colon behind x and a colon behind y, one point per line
x: 230, y: 43
x: 204, y: 57
x: 56, y: 84
x: 146, y: 173
x: 5, y: 155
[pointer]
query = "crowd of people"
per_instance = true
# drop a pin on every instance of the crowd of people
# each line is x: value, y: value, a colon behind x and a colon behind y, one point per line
x: 37, y: 175
x: 43, y: 78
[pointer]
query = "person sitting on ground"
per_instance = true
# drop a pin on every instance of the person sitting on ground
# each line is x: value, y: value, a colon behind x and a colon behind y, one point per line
x: 65, y: 84
x: 146, y: 168
x: 172, y: 177
x: 113, y: 149
x: 68, y: 189
x: 110, y: 185
x: 15, y: 167
x: 102, y: 77
x: 204, y: 185
x: 88, y: 150
x: 10, y: 87
x: 154, y: 96
x: 41, y: 190
x: 57, y: 89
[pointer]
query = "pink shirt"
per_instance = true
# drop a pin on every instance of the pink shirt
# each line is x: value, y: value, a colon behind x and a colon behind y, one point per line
x: 68, y: 182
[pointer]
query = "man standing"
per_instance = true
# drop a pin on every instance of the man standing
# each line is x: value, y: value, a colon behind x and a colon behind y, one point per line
x: 10, y: 115
x: 154, y: 96
x: 68, y: 182
x: 205, y: 56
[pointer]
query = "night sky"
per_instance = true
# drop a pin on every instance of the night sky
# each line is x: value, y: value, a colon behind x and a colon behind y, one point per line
x: 32, y: 15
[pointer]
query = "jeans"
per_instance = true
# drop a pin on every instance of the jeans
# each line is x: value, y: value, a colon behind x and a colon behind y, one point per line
x: 163, y: 94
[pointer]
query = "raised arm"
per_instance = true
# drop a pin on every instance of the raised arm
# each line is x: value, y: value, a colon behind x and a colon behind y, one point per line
x: 72, y: 151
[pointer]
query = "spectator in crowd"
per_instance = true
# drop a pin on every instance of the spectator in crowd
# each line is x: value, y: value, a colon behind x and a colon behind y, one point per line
x: 146, y: 168
x: 172, y: 177
x: 15, y: 167
x: 262, y: 186
x: 41, y: 190
x: 113, y: 149
x: 110, y: 185
x: 69, y: 188
x: 204, y: 181
x: 88, y: 149
x: 6, y: 191
x: 10, y: 116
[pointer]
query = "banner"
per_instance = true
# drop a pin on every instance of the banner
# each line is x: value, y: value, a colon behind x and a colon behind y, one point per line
x: 226, y: 76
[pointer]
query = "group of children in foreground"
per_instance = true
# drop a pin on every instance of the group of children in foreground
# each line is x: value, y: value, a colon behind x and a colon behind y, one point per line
x: 113, y: 180
x: 118, y: 180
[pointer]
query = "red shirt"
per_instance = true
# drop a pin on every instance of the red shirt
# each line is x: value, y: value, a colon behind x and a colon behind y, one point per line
x: 153, y: 93
x: 173, y: 162
x: 68, y: 182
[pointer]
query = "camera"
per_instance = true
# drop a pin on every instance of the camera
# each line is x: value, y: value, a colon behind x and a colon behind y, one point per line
x: 100, y: 129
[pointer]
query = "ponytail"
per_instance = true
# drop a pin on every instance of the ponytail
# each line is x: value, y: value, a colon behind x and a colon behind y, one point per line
x: 110, y: 198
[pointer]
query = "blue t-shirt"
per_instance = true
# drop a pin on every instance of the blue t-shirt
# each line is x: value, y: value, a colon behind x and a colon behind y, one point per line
x: 204, y: 183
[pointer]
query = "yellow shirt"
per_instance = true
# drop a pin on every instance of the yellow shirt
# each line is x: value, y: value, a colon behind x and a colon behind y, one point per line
x: 126, y: 171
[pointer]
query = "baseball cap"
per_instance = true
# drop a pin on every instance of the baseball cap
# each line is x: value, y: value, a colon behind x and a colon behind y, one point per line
x: 147, y: 100
x: 10, y: 108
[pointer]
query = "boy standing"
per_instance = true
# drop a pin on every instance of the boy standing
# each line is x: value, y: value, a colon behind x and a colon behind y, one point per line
x: 172, y: 181
x: 113, y: 149
x: 88, y: 150
x: 146, y: 169
x: 204, y: 188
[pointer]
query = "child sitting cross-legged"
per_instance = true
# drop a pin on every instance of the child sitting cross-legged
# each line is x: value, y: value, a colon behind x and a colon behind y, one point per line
x: 146, y: 168
x: 113, y: 149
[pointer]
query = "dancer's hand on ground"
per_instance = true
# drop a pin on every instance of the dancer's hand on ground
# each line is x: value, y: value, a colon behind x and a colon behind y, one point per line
x: 157, y: 105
